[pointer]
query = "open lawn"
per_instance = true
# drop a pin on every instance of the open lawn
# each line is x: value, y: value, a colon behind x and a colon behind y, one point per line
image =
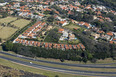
x: 21, y: 23
x: 1, y: 27
x: 0, y: 48
x: 6, y: 32
x: 7, y: 19
x: 74, y: 41
x: 72, y: 26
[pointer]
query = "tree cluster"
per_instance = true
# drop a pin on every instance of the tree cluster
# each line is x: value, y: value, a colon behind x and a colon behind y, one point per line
x: 100, y: 50
x: 53, y: 36
x: 30, y: 51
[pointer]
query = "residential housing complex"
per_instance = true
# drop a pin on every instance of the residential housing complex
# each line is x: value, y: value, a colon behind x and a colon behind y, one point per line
x: 79, y: 33
x: 33, y: 32
x: 62, y: 23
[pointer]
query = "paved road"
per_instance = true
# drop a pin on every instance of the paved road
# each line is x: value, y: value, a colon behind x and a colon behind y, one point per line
x: 63, y: 70
x: 66, y: 64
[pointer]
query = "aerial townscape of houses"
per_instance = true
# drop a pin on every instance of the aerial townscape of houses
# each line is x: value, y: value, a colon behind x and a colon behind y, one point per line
x: 31, y: 32
x: 38, y: 12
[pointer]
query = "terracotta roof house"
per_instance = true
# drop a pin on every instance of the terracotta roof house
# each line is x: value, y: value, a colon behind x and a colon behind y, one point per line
x: 88, y: 7
x: 62, y: 47
x: 27, y: 43
x: 30, y: 35
x: 74, y: 21
x: 100, y: 32
x: 81, y: 23
x: 114, y: 39
x: 35, y: 43
x: 67, y: 47
x: 42, y: 24
x: 60, y: 30
x: 74, y: 47
x: 82, y: 46
x: 87, y: 25
x: 35, y: 30
x: 99, y: 13
x: 16, y: 40
x: 78, y: 46
x: 71, y: 36
x: 111, y: 42
x: 70, y: 46
x: 20, y: 41
x: 58, y: 46
x: 54, y: 45
x: 46, y: 45
x: 56, y: 12
x: 50, y: 45
x: 38, y: 44
x: 23, y: 42
x: 110, y: 33
x: 62, y: 23
x: 101, y: 20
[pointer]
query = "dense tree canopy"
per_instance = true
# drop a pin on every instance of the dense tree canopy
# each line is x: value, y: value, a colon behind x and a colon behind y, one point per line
x: 110, y: 3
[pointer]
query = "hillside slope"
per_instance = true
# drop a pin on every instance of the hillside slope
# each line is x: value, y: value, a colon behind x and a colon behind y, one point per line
x: 9, y: 72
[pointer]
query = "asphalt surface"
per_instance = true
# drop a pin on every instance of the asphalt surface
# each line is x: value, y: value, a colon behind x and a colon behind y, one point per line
x: 63, y: 70
x: 66, y: 64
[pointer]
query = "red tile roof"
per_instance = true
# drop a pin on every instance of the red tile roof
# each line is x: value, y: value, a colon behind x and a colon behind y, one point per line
x: 78, y: 46
x: 27, y: 42
x: 110, y: 33
x: 70, y: 46
x: 114, y: 39
x: 60, y: 30
x: 38, y: 44
x: 61, y: 22
x: 111, y: 42
x: 82, y: 46
x: 74, y: 47
x: 35, y: 43
x: 87, y: 24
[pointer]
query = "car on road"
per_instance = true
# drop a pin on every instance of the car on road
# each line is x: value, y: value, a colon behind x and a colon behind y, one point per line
x: 31, y: 63
x: 19, y: 56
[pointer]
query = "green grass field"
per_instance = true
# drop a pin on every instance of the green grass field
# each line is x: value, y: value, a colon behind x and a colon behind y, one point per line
x: 0, y: 48
x: 1, y: 27
x: 71, y: 26
x: 6, y: 32
x: 74, y: 41
x: 21, y: 23
x: 7, y: 19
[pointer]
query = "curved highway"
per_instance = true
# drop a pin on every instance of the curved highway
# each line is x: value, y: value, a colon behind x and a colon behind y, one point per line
x: 66, y: 64
x: 63, y: 70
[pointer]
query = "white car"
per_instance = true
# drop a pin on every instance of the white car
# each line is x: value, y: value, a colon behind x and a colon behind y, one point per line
x: 30, y: 62
x: 19, y: 55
